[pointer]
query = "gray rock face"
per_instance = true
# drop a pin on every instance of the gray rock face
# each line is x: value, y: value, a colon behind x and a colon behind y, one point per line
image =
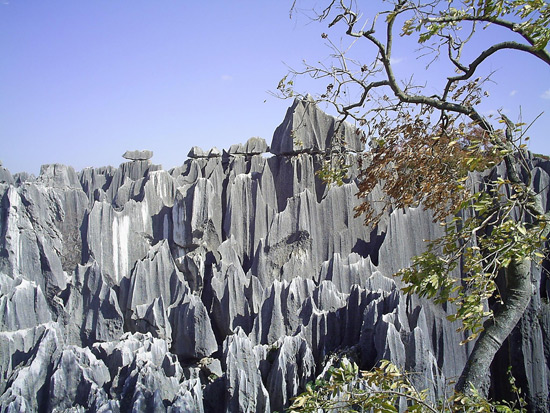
x: 91, y: 313
x: 138, y: 155
x: 26, y: 384
x: 59, y: 176
x: 78, y: 379
x: 245, y: 389
x: 222, y: 285
x: 308, y: 129
x: 21, y: 177
x: 232, y: 299
x: 214, y: 153
x: 193, y: 336
x: 196, y: 152
x: 155, y: 276
x: 143, y: 373
x: 236, y: 149
x: 117, y: 239
x: 22, y: 304
x: 5, y: 176
x: 196, y: 215
x: 293, y: 367
x: 255, y: 146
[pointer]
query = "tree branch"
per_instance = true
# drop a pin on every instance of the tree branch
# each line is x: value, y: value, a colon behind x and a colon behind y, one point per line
x: 514, y: 27
x: 510, y: 45
x: 385, y: 57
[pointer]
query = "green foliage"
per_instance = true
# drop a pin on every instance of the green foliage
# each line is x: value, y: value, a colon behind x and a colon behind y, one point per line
x: 532, y: 18
x: 384, y: 389
x: 295, y: 140
x: 489, y: 235
x: 335, y: 169
x: 286, y: 87
x: 348, y: 389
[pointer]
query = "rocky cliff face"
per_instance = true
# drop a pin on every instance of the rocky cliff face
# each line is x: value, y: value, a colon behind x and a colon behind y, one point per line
x: 221, y: 285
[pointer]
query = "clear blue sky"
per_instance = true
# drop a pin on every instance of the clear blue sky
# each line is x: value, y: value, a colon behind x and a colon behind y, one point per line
x: 81, y: 82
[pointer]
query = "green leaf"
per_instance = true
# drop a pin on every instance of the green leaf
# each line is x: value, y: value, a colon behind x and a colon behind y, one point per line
x: 387, y: 407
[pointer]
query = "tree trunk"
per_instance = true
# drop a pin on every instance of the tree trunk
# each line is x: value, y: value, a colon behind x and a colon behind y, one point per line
x: 516, y: 299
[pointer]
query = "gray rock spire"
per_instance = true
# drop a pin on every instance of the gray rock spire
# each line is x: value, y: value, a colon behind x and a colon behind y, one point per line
x: 308, y: 129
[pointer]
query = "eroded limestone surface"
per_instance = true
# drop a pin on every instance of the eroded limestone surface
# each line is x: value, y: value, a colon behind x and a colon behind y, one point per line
x: 221, y: 285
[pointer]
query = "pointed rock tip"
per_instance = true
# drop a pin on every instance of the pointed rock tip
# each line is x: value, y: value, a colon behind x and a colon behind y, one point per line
x: 309, y: 99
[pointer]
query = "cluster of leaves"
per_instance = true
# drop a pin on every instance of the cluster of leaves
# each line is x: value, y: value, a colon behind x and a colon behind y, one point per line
x: 415, y: 166
x: 286, y: 87
x: 461, y: 267
x: 335, y: 167
x: 384, y: 389
x: 345, y: 388
x: 334, y: 170
x: 295, y: 140
x: 532, y: 16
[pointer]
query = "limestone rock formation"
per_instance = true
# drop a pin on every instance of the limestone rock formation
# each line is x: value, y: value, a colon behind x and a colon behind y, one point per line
x: 138, y: 155
x: 214, y: 153
x: 196, y: 152
x: 253, y: 146
x: 5, y: 176
x: 224, y: 284
x: 308, y: 129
